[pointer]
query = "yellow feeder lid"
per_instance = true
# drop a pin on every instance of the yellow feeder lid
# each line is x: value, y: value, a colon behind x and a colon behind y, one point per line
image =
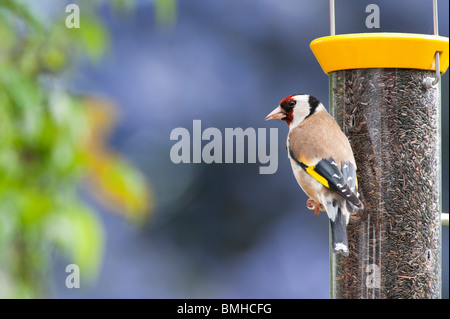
x: 381, y: 50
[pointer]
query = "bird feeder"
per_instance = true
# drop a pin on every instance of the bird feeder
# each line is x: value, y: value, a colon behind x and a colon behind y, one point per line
x: 385, y: 96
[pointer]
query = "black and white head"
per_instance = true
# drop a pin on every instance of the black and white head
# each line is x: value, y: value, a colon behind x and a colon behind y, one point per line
x: 294, y: 109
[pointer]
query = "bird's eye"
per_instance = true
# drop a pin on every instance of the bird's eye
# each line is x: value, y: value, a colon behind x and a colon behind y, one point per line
x: 291, y: 103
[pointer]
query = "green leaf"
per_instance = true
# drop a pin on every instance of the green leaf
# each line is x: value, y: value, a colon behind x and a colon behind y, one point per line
x: 123, y: 5
x: 165, y: 12
x: 92, y: 35
x: 79, y: 233
x: 20, y: 10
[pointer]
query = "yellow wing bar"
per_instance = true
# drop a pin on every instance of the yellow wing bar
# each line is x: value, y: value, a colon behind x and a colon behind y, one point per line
x: 322, y: 180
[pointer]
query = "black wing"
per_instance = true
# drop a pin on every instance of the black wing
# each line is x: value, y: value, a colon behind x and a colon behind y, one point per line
x: 328, y: 174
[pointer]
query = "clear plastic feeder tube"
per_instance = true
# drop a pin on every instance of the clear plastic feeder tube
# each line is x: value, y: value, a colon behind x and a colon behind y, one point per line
x: 383, y: 96
x: 393, y: 125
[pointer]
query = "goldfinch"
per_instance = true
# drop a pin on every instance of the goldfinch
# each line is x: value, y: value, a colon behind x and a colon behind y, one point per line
x: 322, y: 162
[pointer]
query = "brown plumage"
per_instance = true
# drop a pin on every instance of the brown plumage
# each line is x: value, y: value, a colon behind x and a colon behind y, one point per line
x: 319, y: 137
x: 316, y: 138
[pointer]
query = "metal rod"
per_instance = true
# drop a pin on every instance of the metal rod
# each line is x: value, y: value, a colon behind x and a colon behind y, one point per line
x: 436, y: 33
x: 332, y: 23
x: 444, y: 219
x: 428, y: 82
x: 435, y: 18
x: 438, y: 69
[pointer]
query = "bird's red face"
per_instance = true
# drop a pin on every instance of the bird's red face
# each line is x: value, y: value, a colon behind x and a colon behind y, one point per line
x: 294, y: 109
x: 285, y: 111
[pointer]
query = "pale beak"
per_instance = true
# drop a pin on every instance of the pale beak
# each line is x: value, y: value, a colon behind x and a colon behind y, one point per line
x: 276, y: 114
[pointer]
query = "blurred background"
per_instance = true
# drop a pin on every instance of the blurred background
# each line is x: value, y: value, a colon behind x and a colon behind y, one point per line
x: 85, y: 120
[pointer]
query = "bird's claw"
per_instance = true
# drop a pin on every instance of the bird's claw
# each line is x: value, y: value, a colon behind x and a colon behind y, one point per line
x: 313, y: 205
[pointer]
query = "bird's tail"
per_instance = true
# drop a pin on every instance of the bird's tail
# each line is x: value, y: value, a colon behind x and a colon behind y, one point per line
x: 339, y: 233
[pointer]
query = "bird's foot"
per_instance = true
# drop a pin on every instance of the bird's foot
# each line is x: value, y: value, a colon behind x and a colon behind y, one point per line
x: 313, y: 205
